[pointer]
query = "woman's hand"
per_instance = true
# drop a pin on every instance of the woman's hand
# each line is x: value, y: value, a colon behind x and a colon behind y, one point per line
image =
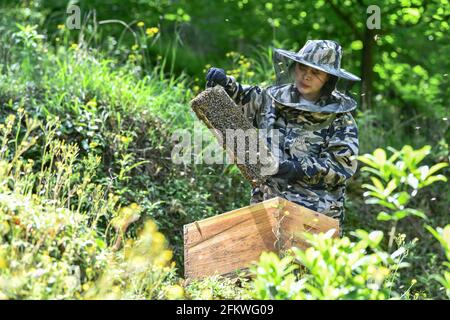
x: 216, y: 76
x: 290, y: 170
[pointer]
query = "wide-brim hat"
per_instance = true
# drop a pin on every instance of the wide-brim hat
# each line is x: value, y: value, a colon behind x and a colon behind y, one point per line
x: 324, y: 55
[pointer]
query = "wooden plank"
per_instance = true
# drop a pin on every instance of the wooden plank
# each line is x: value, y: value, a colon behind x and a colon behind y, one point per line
x: 224, y: 243
x: 299, y: 220
x: 234, y: 240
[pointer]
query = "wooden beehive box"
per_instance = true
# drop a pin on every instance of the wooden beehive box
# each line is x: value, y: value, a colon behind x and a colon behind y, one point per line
x: 225, y: 243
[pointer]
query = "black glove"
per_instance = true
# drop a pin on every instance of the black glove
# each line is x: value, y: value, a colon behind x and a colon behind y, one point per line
x: 216, y: 76
x: 289, y: 170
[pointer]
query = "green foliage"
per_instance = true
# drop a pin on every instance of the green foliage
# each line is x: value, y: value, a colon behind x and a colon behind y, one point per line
x: 218, y: 288
x: 28, y: 36
x: 274, y: 278
x: 401, y: 179
x: 46, y: 252
x: 396, y: 181
x: 443, y: 236
x: 49, y: 247
x: 121, y: 120
x: 333, y: 269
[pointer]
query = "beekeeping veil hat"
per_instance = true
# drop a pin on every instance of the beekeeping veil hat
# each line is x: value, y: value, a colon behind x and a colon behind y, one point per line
x: 324, y: 55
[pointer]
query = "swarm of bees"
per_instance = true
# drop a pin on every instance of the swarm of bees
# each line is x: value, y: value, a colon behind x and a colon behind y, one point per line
x: 221, y: 115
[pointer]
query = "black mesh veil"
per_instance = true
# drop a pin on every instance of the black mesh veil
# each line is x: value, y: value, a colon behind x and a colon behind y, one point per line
x: 284, y: 68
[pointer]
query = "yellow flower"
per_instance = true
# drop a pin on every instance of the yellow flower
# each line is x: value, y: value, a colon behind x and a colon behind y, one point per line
x: 135, y: 206
x: 93, y: 145
x: 125, y: 139
x: 140, y: 24
x: 3, y: 263
x: 379, y: 274
x: 151, y: 31
x: 206, y: 294
x: 135, y: 47
x: 61, y: 26
x: 175, y: 292
x: 74, y: 46
x: 92, y: 104
x: 167, y: 255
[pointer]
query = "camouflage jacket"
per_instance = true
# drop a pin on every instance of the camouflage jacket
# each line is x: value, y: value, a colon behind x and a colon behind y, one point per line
x: 322, y: 136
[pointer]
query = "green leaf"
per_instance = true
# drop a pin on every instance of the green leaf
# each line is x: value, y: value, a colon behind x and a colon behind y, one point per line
x: 377, y: 183
x: 100, y: 243
x: 398, y: 215
x: 383, y: 216
x: 373, y: 171
x: 375, y: 194
x: 375, y: 238
x: 380, y: 156
x: 369, y: 160
x: 420, y: 154
x: 435, y: 233
x: 411, y: 15
x: 416, y: 213
x: 170, y: 16
x: 403, y: 198
x: 387, y: 204
x: 446, y: 235
x: 370, y: 187
x: 433, y: 179
x: 372, y: 201
x: 437, y: 167
x: 391, y: 169
x: 390, y: 187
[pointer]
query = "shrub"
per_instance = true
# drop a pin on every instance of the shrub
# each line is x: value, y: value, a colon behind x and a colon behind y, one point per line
x: 331, y: 269
x: 397, y: 180
x: 443, y: 236
x: 50, y: 246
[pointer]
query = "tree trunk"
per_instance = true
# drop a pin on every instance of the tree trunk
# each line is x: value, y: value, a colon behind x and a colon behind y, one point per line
x: 367, y: 68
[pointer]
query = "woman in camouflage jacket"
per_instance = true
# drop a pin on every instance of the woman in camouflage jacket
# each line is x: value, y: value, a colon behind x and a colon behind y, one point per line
x: 318, y: 137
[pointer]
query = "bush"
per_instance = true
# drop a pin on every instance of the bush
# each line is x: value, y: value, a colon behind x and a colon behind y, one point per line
x: 331, y: 269
x: 443, y: 236
x: 50, y: 248
x: 397, y: 180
